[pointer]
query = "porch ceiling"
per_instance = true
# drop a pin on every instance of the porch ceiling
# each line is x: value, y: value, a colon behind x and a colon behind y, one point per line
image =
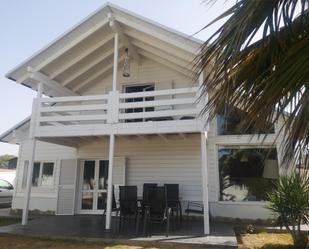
x: 82, y: 140
x: 85, y: 54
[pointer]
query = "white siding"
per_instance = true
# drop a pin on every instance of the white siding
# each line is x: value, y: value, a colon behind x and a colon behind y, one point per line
x: 44, y: 152
x: 147, y: 72
x: 156, y: 160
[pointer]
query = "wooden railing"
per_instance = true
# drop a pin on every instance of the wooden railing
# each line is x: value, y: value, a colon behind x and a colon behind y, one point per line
x: 115, y: 107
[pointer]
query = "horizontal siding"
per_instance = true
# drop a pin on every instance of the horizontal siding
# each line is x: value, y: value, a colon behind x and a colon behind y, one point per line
x: 157, y: 160
x: 44, y: 152
x: 147, y: 72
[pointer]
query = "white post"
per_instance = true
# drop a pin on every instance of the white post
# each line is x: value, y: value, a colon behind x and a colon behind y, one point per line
x: 112, y: 142
x: 115, y: 69
x: 110, y: 182
x: 33, y: 122
x: 205, y: 181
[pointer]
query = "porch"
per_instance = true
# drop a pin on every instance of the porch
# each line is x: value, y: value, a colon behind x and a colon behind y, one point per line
x: 93, y: 227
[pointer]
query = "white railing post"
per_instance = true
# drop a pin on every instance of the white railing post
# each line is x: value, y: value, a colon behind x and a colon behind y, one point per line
x: 33, y: 126
x: 113, y: 107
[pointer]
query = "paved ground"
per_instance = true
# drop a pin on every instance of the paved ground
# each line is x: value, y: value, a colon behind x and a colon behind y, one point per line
x: 93, y: 227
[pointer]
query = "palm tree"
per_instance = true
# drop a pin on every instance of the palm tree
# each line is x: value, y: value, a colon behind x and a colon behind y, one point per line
x: 260, y: 64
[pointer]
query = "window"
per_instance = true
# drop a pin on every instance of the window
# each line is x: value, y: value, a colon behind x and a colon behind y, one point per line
x: 42, y: 175
x: 247, y: 174
x: 230, y: 124
x: 5, y: 185
x: 47, y: 174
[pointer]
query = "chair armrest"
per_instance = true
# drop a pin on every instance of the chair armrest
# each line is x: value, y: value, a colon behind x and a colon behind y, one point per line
x: 195, y: 204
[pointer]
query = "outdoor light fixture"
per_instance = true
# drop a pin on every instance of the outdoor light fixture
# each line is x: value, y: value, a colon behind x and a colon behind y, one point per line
x: 126, y: 64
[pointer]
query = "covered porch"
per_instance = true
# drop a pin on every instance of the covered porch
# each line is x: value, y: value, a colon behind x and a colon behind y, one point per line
x: 92, y: 227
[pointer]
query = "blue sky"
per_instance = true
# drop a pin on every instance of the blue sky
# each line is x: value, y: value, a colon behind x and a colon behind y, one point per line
x: 27, y: 26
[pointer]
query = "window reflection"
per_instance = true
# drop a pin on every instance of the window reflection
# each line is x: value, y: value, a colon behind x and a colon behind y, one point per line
x: 247, y: 174
x: 35, y: 174
x: 230, y: 124
x: 103, y: 174
x: 88, y: 176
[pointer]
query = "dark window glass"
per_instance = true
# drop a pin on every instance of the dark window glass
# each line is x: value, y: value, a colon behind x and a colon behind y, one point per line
x: 103, y: 175
x: 230, y: 124
x: 247, y: 174
x: 36, y: 174
x: 88, y: 180
x: 47, y: 174
x: 87, y: 200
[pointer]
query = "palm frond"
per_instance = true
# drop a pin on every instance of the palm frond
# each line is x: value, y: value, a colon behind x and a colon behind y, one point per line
x: 264, y: 78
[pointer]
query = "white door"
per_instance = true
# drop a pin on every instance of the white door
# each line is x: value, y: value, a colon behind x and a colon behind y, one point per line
x: 93, y: 186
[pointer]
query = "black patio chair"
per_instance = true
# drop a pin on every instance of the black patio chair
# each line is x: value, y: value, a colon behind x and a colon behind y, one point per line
x: 146, y: 186
x: 128, y: 205
x: 173, y: 202
x: 195, y: 208
x: 114, y: 204
x: 157, y: 210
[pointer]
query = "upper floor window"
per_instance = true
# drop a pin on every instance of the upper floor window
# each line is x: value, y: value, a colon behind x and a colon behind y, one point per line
x: 230, y: 124
x: 42, y: 175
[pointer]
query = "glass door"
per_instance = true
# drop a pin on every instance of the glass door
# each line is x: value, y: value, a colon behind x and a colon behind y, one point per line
x: 93, y: 194
x: 101, y: 195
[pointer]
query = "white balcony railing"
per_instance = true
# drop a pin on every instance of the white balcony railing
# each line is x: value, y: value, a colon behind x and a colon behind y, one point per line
x: 116, y: 108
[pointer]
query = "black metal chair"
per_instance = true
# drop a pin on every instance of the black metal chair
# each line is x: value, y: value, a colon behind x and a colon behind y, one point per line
x: 194, y: 207
x: 114, y: 205
x: 128, y: 205
x: 173, y: 202
x: 156, y: 210
x: 146, y: 187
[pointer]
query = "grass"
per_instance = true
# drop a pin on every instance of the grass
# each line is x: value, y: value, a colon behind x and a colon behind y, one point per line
x: 4, y: 221
x: 266, y: 240
x: 26, y: 242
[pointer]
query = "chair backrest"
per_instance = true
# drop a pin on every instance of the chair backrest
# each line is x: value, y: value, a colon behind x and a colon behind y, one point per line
x: 146, y: 186
x: 172, y: 192
x: 128, y: 199
x: 157, y: 201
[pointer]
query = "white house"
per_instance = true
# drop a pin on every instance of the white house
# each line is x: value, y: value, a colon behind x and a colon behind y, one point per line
x: 89, y: 122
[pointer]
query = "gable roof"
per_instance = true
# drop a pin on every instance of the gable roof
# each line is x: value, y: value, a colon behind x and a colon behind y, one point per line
x: 84, y: 54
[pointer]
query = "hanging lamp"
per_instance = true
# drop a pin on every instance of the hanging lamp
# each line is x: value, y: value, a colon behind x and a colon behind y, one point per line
x: 126, y: 64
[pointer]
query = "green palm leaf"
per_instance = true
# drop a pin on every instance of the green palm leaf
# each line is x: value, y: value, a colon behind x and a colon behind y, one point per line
x: 264, y: 78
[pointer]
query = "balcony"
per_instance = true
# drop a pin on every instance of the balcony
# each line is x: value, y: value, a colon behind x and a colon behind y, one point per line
x: 161, y: 111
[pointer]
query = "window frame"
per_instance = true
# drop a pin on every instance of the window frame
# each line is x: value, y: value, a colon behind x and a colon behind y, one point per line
x: 218, y: 146
x: 26, y: 162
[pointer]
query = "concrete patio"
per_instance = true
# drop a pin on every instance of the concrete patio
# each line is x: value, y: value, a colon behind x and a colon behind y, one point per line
x: 92, y: 227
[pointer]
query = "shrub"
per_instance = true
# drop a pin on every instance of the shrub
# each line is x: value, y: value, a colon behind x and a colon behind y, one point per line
x: 290, y: 201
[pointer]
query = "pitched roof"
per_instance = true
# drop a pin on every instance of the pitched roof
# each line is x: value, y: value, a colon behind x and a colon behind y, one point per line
x: 84, y: 54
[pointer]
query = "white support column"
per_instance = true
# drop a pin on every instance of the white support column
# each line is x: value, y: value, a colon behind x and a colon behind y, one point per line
x: 115, y: 69
x: 112, y: 141
x: 110, y: 182
x: 205, y: 181
x: 33, y: 124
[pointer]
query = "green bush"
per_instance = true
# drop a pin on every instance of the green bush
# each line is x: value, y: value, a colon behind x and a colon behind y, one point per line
x: 290, y: 201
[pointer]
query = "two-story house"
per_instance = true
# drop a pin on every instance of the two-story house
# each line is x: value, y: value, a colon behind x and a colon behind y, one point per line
x: 117, y: 105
